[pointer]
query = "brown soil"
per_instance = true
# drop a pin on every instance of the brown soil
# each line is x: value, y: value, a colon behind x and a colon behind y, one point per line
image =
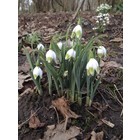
x: 105, y: 105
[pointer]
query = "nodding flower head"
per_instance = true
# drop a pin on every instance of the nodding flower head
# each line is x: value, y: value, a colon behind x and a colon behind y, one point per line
x: 77, y: 31
x: 70, y: 54
x: 92, y: 66
x: 101, y: 51
x: 50, y: 55
x: 37, y: 72
x: 59, y: 44
x: 40, y: 46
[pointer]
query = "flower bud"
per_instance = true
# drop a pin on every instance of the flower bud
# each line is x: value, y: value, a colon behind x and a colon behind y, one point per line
x: 40, y: 46
x: 65, y: 73
x: 92, y: 66
x: 50, y: 55
x: 70, y: 54
x: 37, y: 72
x: 59, y: 44
x: 101, y: 51
x: 77, y: 31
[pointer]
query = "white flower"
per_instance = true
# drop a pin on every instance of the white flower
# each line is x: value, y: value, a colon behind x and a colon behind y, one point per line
x: 92, y: 66
x: 95, y: 28
x: 77, y: 31
x: 40, y: 46
x: 107, y: 21
x: 50, y: 55
x: 70, y: 43
x: 97, y: 21
x: 37, y: 72
x: 70, y: 53
x: 101, y: 51
x: 65, y: 73
x: 59, y: 44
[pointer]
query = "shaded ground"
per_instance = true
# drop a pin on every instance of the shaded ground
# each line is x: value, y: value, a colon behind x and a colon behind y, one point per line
x: 107, y: 103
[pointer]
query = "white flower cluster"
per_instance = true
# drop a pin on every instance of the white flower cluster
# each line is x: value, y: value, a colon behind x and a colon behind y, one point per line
x: 93, y: 65
x: 103, y: 7
x: 102, y: 19
x: 51, y: 56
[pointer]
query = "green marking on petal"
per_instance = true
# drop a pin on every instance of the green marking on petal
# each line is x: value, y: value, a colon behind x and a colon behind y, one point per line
x: 78, y: 34
x: 88, y: 73
x: 35, y: 76
x: 73, y: 34
x: 100, y: 55
x: 67, y: 57
x: 49, y: 59
x: 91, y: 71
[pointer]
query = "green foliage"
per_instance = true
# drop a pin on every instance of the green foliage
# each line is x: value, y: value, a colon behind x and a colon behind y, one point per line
x: 33, y: 39
x: 118, y: 7
x: 68, y: 76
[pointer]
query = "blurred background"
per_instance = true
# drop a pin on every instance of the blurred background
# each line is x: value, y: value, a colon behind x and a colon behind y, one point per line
x: 37, y: 6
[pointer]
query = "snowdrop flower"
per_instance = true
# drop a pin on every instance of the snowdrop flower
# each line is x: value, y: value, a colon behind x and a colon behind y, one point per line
x: 70, y: 53
x: 101, y: 51
x: 77, y: 31
x: 37, y: 72
x: 97, y: 21
x: 59, y: 44
x: 50, y: 55
x: 40, y: 46
x: 95, y: 28
x: 92, y: 66
x: 65, y: 73
x: 70, y: 43
x: 107, y: 21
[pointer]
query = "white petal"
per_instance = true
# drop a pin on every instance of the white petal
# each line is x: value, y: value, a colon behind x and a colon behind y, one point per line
x: 59, y: 44
x: 51, y: 54
x: 40, y: 46
x: 77, y: 31
x: 37, y: 72
x: 71, y: 53
x: 102, y: 50
x: 92, y: 64
x: 40, y: 72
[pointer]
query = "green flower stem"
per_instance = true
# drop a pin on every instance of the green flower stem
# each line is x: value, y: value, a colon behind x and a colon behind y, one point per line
x: 88, y: 90
x: 36, y: 82
x: 93, y: 91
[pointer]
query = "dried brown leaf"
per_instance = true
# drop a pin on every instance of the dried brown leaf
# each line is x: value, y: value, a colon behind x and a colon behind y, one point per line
x: 62, y: 105
x: 51, y: 127
x: 59, y: 134
x: 97, y: 136
x: 28, y: 90
x: 34, y: 122
x: 25, y: 67
x: 22, y: 78
x: 112, y: 64
x: 93, y: 137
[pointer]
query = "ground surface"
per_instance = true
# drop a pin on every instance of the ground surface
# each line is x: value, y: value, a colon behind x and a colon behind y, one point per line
x: 107, y: 103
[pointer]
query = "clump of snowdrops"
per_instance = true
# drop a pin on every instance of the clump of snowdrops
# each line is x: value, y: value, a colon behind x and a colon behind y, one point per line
x: 72, y: 67
x: 102, y: 19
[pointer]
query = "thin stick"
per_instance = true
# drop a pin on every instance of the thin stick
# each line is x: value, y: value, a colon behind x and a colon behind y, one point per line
x: 91, y: 113
x: 118, y: 91
x: 56, y: 113
x: 20, y: 125
x: 76, y: 13
x: 106, y: 101
x: 66, y: 122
